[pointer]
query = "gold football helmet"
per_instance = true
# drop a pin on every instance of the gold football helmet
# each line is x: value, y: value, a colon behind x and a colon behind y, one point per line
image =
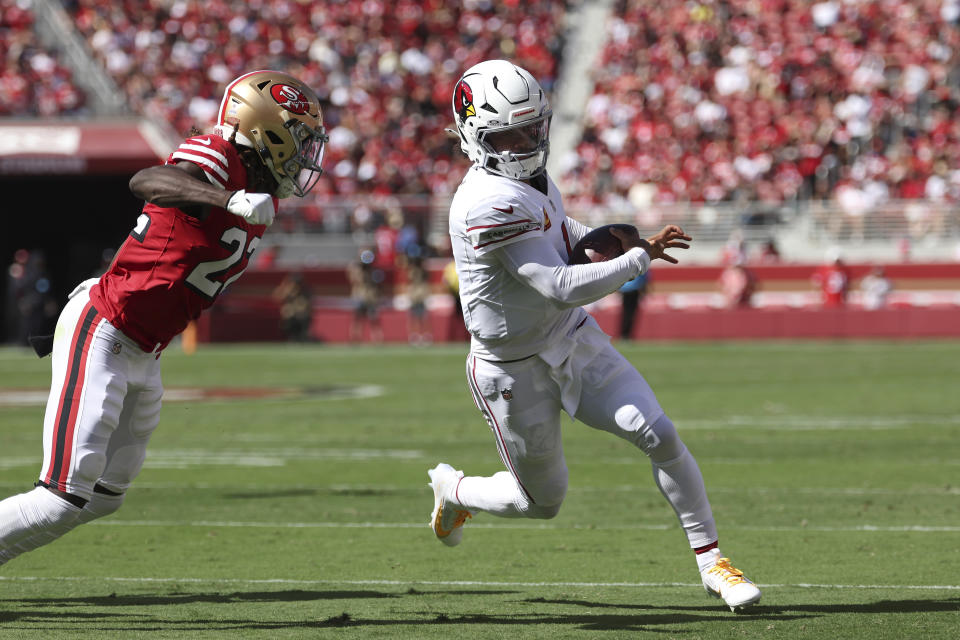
x: 279, y: 117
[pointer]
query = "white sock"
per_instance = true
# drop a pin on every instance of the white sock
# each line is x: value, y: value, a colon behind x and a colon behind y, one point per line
x: 681, y: 484
x: 99, y: 505
x: 499, y: 494
x: 30, y: 520
x: 707, y: 559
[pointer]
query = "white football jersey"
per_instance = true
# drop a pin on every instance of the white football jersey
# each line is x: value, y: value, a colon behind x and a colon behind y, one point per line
x: 505, y: 317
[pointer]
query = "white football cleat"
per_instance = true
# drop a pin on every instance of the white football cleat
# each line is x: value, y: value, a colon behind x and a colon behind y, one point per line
x: 725, y: 581
x: 447, y: 519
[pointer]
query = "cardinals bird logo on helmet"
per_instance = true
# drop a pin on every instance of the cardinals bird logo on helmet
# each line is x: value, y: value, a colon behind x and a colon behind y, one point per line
x: 463, y: 101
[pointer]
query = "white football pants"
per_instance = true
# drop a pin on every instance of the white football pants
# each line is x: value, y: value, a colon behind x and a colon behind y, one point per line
x: 522, y: 401
x: 103, y: 406
x: 104, y: 403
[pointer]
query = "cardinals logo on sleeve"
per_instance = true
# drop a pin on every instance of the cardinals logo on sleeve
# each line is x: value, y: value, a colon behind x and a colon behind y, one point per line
x: 500, y: 224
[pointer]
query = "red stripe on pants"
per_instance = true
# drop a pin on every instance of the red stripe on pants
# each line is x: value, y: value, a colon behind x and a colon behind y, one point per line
x: 69, y: 407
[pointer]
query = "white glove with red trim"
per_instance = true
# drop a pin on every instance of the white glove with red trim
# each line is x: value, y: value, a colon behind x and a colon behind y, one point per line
x: 255, y: 208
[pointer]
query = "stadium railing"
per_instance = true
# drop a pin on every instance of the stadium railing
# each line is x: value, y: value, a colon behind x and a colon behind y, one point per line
x: 332, y: 230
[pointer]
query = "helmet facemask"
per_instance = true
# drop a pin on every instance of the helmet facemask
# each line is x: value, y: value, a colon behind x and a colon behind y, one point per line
x: 518, y: 151
x: 300, y: 172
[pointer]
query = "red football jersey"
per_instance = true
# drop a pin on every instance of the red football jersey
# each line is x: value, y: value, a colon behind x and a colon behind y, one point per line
x: 834, y: 281
x: 173, y: 266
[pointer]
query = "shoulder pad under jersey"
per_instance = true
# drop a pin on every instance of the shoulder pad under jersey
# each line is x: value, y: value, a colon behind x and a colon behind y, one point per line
x: 217, y: 157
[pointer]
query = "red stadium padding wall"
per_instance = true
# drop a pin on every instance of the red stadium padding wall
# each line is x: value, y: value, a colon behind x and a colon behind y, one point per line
x: 249, y: 313
x: 333, y: 325
x: 730, y: 324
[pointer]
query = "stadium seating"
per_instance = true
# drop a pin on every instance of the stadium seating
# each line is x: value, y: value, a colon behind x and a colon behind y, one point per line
x: 847, y: 105
x: 385, y: 70
x: 727, y: 118
x: 33, y: 82
x: 773, y: 102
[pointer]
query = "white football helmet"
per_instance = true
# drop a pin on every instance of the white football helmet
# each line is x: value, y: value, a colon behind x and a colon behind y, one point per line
x: 279, y: 117
x: 503, y: 118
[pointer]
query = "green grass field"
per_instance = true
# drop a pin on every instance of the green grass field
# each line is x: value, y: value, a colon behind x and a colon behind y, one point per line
x: 833, y: 469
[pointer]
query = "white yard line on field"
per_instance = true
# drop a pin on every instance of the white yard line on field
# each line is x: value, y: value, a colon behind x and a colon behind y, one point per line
x: 817, y: 491
x: 38, y: 397
x: 385, y: 489
x: 459, y: 583
x: 520, y: 526
x: 818, y: 423
x: 262, y: 457
x: 269, y: 457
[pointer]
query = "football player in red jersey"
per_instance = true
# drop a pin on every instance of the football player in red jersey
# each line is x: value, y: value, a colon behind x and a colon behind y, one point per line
x: 206, y: 209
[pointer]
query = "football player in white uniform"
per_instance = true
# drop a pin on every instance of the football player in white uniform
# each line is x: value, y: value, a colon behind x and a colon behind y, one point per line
x: 534, y: 350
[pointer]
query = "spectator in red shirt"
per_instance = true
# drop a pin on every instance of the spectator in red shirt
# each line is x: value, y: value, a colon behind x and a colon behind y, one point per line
x: 833, y: 279
x: 737, y: 283
x: 769, y: 253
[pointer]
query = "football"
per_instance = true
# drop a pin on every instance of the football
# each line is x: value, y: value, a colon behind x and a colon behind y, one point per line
x: 599, y: 245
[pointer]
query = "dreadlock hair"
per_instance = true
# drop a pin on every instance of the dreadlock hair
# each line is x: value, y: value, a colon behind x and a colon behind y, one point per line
x: 259, y: 178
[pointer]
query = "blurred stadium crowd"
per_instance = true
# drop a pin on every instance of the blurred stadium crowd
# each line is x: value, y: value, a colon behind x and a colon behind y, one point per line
x: 774, y: 101
x: 845, y: 110
x: 716, y: 101
x: 33, y: 81
x: 384, y: 70
x: 697, y: 101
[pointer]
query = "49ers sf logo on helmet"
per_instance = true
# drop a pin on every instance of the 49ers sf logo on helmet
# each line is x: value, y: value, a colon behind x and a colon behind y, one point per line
x: 290, y: 98
x: 463, y: 100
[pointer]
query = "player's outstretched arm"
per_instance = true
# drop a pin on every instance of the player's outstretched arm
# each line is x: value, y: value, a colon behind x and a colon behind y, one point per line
x: 536, y: 263
x: 177, y: 185
x: 184, y: 186
x: 670, y: 237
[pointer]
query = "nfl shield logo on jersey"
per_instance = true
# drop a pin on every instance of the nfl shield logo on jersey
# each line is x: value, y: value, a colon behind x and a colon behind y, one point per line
x: 507, y: 394
x: 116, y: 348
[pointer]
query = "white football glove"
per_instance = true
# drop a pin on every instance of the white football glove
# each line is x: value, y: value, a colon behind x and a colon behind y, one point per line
x: 255, y: 208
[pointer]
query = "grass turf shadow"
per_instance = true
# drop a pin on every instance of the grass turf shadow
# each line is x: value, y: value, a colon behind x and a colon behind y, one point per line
x: 37, y: 613
x: 881, y: 606
x: 44, y: 613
